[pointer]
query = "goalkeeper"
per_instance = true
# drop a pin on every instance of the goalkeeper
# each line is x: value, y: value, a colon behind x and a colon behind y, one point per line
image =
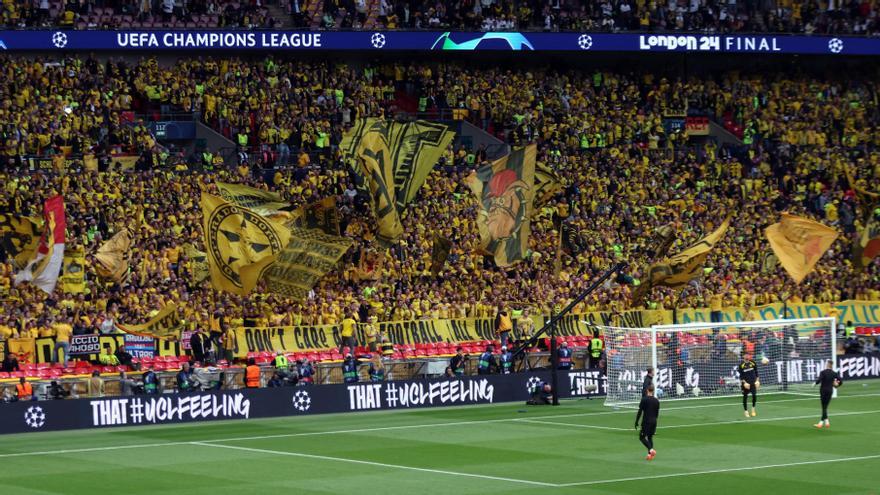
x: 650, y: 407
x: 828, y: 380
x: 748, y: 376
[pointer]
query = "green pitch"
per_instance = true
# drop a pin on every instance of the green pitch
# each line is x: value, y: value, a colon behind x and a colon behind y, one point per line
x: 703, y: 446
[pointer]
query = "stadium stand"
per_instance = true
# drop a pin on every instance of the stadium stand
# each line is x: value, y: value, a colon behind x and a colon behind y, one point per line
x: 601, y: 131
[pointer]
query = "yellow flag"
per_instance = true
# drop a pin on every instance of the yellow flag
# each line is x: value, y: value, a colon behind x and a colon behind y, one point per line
x: 394, y: 159
x: 309, y: 256
x: 198, y: 263
x: 266, y: 203
x: 240, y: 244
x: 166, y: 325
x: 20, y: 237
x: 112, y: 257
x: 799, y: 243
x: 677, y: 271
x: 73, y: 280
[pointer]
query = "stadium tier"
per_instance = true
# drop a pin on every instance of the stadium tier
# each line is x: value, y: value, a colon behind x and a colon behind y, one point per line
x: 708, y: 16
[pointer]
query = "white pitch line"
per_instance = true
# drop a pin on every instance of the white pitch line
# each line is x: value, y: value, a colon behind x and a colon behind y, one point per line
x: 371, y: 463
x: 383, y: 428
x: 596, y: 427
x: 691, y: 425
x: 717, y: 471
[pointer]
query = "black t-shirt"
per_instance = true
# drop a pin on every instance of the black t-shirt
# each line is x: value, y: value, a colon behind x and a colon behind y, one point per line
x: 650, y: 408
x: 826, y: 379
x: 647, y: 383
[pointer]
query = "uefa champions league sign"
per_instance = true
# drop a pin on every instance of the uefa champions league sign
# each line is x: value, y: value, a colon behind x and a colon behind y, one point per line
x: 161, y: 40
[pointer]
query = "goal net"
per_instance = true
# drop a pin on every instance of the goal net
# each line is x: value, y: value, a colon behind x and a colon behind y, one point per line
x: 698, y: 360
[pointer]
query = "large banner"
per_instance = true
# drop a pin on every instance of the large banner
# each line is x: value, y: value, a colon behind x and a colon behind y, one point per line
x: 320, y: 337
x: 112, y: 257
x: 370, y: 40
x: 505, y: 189
x: 240, y: 244
x: 308, y: 256
x: 394, y: 159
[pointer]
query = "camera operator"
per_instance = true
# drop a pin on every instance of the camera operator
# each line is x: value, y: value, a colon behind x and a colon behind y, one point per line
x: 458, y: 362
x: 57, y: 392
x: 542, y: 395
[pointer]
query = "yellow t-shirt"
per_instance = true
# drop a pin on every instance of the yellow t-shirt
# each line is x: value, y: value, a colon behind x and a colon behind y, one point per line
x: 348, y: 325
x: 62, y: 332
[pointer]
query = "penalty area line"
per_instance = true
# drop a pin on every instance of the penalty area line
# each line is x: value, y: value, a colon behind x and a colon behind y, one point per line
x: 371, y: 463
x: 718, y: 471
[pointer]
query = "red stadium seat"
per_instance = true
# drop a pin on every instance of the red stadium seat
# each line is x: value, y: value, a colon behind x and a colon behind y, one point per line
x: 4, y: 375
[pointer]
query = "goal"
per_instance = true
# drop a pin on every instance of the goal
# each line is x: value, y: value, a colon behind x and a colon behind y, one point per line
x: 699, y: 360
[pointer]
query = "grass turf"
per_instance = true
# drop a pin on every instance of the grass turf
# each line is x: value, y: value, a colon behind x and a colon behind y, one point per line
x: 704, y: 446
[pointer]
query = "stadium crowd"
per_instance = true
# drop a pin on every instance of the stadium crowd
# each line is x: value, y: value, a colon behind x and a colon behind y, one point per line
x: 114, y: 14
x: 858, y: 17
x: 624, y: 176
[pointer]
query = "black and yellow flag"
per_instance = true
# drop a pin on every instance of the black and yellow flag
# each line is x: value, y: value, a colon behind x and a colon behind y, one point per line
x: 439, y: 254
x: 677, y: 271
x: 394, y: 159
x: 307, y: 258
x: 240, y: 244
x: 547, y: 185
x: 266, y: 203
x: 20, y: 238
x: 73, y: 275
x: 318, y: 215
x: 799, y: 243
x: 198, y: 263
x: 112, y: 257
x: 165, y: 324
x: 505, y: 189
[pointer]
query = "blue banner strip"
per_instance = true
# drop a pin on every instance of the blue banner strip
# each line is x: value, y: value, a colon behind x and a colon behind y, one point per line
x: 158, y: 40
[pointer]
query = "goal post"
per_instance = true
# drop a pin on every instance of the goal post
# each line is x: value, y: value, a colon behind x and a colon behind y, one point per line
x: 699, y: 360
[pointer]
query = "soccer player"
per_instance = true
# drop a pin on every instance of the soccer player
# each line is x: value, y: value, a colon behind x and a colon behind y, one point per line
x: 828, y: 380
x: 649, y: 381
x: 748, y: 376
x: 650, y: 406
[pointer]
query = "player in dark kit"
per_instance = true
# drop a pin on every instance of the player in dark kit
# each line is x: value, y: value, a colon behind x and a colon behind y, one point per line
x: 828, y: 380
x: 649, y: 381
x: 748, y: 376
x: 650, y: 407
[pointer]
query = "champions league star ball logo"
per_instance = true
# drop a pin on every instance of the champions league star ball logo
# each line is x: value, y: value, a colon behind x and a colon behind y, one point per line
x: 835, y: 45
x: 302, y: 401
x: 35, y: 417
x: 585, y: 41
x: 377, y: 40
x: 59, y: 39
x: 532, y: 382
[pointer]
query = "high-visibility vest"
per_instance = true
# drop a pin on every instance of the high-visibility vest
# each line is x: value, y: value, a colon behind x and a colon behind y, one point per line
x: 281, y: 361
x: 596, y: 347
x: 849, y: 330
x: 252, y: 376
x: 25, y: 391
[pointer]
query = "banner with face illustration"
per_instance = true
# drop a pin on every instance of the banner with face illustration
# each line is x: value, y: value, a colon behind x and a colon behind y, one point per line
x: 506, y: 189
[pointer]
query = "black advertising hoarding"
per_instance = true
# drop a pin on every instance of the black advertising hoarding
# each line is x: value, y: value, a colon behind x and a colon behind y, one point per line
x: 136, y: 410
